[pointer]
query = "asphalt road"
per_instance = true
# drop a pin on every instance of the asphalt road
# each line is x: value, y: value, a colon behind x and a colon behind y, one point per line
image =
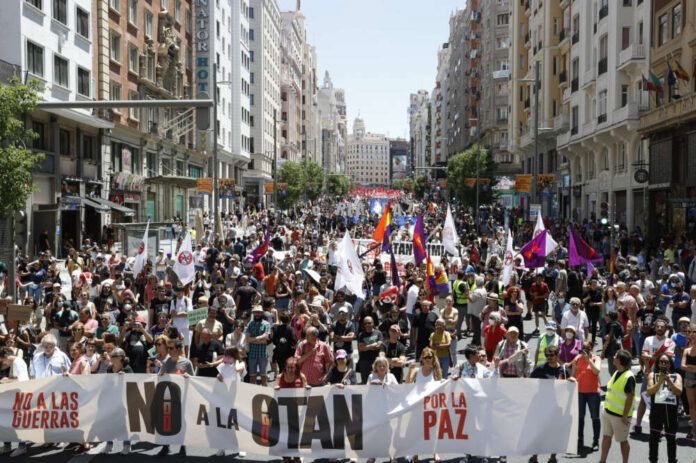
x: 686, y: 450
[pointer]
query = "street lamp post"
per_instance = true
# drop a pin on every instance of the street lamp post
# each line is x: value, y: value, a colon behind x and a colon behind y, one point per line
x: 275, y: 159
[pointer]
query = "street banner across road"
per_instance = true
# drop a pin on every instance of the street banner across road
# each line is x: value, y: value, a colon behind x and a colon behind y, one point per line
x: 481, y: 417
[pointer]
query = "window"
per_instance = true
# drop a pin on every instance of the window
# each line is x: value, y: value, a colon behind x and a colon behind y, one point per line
x: 662, y: 30
x: 251, y: 12
x: 624, y: 95
x: 115, y: 5
x: 177, y: 11
x: 115, y: 47
x: 115, y: 90
x: 82, y: 23
x: 83, y: 84
x: 134, y: 114
x: 35, y: 64
x: 133, y: 58
x: 151, y: 159
x: 502, y: 20
x: 148, y: 23
x: 60, y: 71
x: 640, y: 33
x: 189, y: 19
x: 35, y: 3
x: 251, y: 56
x: 251, y: 34
x: 676, y: 20
x: 133, y: 12
x: 625, y: 37
x: 63, y: 142
x: 40, y: 141
x: 602, y: 106
x: 60, y: 12
x: 88, y: 148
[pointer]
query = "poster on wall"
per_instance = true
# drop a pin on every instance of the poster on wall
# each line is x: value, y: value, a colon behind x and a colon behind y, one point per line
x: 399, y: 167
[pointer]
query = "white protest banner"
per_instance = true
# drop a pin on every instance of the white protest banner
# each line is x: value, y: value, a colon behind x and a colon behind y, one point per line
x: 482, y: 417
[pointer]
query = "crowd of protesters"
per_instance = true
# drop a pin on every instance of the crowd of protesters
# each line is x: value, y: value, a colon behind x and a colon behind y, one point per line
x: 280, y: 322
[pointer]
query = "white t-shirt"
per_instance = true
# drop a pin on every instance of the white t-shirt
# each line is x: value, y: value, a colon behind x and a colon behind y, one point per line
x: 19, y: 369
x: 229, y: 371
x: 412, y: 298
x: 579, y: 321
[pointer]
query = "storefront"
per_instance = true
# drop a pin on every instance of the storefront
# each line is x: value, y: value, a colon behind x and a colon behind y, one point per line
x: 126, y: 191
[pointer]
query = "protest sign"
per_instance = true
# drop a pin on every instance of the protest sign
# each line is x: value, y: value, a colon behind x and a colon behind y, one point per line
x: 197, y: 315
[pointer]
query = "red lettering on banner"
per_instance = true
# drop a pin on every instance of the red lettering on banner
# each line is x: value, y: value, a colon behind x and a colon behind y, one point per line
x: 43, y: 411
x: 444, y: 420
x: 429, y: 420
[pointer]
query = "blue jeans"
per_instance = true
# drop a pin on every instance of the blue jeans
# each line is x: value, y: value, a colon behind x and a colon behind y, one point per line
x: 591, y: 399
x: 444, y: 365
x: 35, y: 291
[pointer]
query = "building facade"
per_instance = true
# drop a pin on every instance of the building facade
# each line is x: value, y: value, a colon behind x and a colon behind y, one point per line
x: 439, y: 108
x: 602, y: 63
x: 333, y: 145
x: 291, y: 49
x: 367, y: 156
x: 53, y: 43
x: 669, y: 124
x: 419, y: 129
x: 264, y: 42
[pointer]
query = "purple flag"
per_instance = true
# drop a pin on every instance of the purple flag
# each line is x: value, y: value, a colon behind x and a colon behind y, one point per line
x: 261, y: 249
x: 579, y: 252
x: 534, y: 252
x: 419, y: 241
x: 396, y: 281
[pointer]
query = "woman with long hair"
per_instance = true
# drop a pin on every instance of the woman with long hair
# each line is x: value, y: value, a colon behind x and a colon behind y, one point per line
x: 689, y: 367
x: 292, y: 378
x: 664, y: 389
x: 428, y: 371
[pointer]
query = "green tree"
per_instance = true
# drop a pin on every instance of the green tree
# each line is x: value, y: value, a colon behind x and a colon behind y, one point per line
x: 462, y: 166
x: 313, y: 177
x: 337, y: 184
x: 16, y: 160
x: 420, y: 185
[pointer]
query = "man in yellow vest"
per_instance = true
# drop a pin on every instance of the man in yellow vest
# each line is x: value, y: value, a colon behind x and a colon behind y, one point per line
x: 551, y: 338
x: 460, y: 288
x: 618, y: 406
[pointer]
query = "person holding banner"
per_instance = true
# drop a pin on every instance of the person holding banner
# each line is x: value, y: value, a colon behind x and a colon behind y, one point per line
x: 178, y: 311
x: 175, y: 364
x: 18, y: 373
x: 428, y: 372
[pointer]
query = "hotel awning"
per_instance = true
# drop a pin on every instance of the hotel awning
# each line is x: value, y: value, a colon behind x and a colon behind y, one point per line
x: 115, y: 206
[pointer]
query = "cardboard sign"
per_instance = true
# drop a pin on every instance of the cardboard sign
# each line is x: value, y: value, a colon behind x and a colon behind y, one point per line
x: 19, y: 313
x: 197, y: 315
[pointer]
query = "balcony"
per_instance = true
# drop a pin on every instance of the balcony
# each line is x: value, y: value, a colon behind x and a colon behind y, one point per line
x: 601, y: 119
x: 603, y: 12
x: 589, y: 78
x: 561, y: 122
x: 576, y: 37
x: 574, y: 130
x: 574, y: 85
x: 526, y: 139
x: 602, y: 66
x: 563, y: 77
x: 630, y: 111
x: 562, y: 35
x: 631, y: 56
x: 526, y: 38
x: 566, y: 94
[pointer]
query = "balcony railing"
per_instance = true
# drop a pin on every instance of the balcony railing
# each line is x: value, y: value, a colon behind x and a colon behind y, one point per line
x: 603, y: 12
x: 526, y: 103
x: 601, y: 119
x: 634, y: 51
x: 574, y: 130
x: 562, y: 35
x: 576, y: 37
x: 575, y: 85
x: 563, y: 77
x: 602, y: 66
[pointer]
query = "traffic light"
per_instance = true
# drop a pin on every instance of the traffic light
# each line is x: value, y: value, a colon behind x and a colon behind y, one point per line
x: 604, y: 213
x: 20, y: 231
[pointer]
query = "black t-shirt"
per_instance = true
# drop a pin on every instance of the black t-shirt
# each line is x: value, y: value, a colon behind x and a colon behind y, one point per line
x: 125, y: 369
x: 425, y: 322
x: 246, y: 296
x: 647, y: 320
x: 595, y: 296
x: 284, y: 341
x: 211, y: 256
x: 546, y: 371
x: 160, y: 305
x: 394, y: 351
x: 340, y: 329
x: 204, y: 353
x: 629, y: 389
x: 369, y: 356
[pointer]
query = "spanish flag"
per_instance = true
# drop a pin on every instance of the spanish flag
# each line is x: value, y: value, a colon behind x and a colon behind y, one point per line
x: 680, y: 72
x: 384, y: 226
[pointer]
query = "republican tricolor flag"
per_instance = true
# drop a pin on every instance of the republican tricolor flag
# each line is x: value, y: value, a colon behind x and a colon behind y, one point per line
x: 419, y: 241
x: 262, y: 248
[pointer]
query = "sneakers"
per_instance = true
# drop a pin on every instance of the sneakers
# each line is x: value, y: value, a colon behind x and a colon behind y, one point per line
x: 164, y: 451
x: 637, y: 429
x: 126, y: 448
x: 108, y: 448
x: 220, y: 453
x: 182, y: 451
x: 18, y: 452
x: 595, y: 445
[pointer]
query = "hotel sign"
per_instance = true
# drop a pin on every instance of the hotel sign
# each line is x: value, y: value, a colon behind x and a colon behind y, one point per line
x: 203, y: 66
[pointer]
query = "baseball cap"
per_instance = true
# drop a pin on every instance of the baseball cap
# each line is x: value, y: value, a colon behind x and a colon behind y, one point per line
x: 684, y: 320
x: 551, y: 325
x: 341, y: 354
x: 342, y: 310
x: 513, y: 329
x: 257, y: 308
x: 395, y: 327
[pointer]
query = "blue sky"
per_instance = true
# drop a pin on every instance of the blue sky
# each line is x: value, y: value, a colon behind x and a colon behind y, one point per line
x: 379, y: 51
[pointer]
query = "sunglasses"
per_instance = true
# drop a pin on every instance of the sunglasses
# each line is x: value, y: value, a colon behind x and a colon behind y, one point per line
x: 171, y: 348
x: 428, y: 357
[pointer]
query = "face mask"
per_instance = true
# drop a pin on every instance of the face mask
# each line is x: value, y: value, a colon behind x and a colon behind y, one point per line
x: 550, y: 332
x: 561, y: 301
x: 570, y: 335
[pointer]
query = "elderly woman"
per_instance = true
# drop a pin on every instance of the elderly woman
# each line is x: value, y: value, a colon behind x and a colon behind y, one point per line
x: 380, y: 373
x: 570, y: 346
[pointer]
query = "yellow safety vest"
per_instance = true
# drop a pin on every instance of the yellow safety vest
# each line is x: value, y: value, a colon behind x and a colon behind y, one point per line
x: 615, y: 400
x: 542, y: 347
x: 460, y: 297
x: 501, y: 299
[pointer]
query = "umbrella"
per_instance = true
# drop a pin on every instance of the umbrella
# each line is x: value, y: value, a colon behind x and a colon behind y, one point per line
x: 313, y: 275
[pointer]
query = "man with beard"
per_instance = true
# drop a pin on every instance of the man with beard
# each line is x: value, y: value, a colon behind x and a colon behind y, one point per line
x: 258, y: 333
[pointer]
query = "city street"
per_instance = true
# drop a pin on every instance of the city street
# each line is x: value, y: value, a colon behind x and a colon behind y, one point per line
x: 686, y: 451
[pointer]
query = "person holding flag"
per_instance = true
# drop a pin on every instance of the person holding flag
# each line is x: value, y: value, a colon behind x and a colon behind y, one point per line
x: 419, y: 239
x: 141, y: 256
x: 183, y: 264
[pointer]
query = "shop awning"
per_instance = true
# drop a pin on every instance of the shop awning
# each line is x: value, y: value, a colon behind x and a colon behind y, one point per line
x: 115, y: 206
x: 96, y: 205
x: 82, y: 118
x: 173, y: 180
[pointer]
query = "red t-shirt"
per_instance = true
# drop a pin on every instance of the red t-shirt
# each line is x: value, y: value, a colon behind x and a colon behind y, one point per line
x: 494, y: 334
x: 542, y: 292
x: 296, y: 383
